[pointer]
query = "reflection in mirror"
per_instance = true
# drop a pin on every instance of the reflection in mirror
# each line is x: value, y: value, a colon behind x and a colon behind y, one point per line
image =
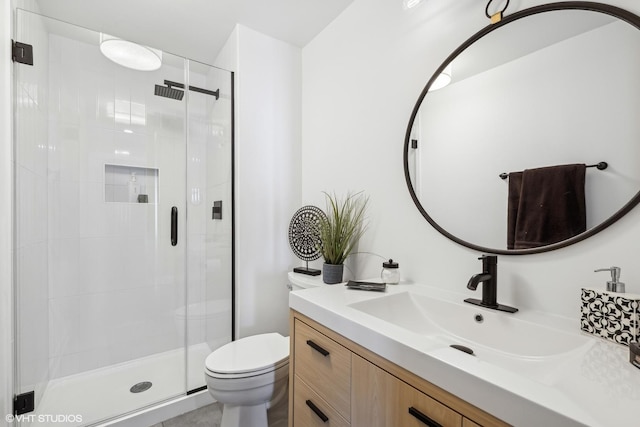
x: 552, y: 88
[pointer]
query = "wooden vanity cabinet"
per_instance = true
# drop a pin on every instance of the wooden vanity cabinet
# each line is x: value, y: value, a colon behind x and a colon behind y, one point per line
x: 334, y: 382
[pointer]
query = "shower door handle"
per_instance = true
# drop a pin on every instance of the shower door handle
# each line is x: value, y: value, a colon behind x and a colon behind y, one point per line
x: 174, y: 226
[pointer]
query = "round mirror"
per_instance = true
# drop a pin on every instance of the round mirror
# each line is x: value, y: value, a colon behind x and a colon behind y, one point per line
x: 553, y: 85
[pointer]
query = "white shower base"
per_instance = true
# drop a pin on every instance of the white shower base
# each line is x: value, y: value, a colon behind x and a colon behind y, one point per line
x: 102, y: 394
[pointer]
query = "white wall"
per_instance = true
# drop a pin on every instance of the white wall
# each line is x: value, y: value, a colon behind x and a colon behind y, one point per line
x: 267, y: 175
x: 361, y: 78
x: 228, y: 56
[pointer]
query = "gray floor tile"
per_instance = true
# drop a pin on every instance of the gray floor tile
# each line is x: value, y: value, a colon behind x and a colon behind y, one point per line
x: 207, y: 416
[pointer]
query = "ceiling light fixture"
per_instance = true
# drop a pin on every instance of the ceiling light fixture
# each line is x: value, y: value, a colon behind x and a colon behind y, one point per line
x: 408, y: 4
x: 129, y: 54
x: 442, y: 80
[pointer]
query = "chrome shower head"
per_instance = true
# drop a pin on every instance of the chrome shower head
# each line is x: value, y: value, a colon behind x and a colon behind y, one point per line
x: 169, y: 92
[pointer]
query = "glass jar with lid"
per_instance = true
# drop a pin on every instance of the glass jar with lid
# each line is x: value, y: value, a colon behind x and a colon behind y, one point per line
x: 390, y: 272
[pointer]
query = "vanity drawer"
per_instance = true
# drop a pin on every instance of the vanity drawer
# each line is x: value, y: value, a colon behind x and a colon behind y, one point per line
x: 310, y: 410
x: 325, y: 366
x: 382, y: 400
x: 418, y: 410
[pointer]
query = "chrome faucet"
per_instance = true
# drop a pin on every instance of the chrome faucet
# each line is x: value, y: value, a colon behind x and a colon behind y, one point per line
x: 489, y: 280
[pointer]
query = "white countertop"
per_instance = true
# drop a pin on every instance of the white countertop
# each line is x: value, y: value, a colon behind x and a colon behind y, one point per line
x: 595, y: 386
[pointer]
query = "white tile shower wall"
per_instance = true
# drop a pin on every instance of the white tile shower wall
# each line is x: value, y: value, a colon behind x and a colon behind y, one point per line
x: 350, y: 129
x: 113, y: 289
x: 32, y: 202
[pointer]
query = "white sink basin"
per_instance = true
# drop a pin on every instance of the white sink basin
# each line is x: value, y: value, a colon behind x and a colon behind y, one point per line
x: 529, y: 368
x: 496, y: 334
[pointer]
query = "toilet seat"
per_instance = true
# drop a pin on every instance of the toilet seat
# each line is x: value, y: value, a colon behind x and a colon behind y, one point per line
x: 249, y: 357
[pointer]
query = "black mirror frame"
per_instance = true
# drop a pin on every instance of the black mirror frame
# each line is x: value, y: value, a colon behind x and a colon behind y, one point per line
x: 614, y: 11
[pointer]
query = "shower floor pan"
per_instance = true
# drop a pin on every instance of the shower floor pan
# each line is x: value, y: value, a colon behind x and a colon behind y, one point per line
x: 104, y: 393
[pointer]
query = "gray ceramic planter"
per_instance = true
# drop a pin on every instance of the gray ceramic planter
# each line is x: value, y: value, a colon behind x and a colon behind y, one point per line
x: 332, y: 273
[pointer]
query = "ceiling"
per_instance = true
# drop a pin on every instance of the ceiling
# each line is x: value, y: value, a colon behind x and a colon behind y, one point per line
x: 197, y: 29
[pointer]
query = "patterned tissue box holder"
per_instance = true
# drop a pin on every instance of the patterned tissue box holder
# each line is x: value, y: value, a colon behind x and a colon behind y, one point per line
x: 610, y: 315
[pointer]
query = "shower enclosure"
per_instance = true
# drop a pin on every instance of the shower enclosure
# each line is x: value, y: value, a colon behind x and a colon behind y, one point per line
x: 124, y: 225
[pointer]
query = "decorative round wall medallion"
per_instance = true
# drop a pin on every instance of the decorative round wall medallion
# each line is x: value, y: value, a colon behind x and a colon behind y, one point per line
x: 304, y: 236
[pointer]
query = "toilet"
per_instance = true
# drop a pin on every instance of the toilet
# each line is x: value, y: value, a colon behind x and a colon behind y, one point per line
x: 250, y: 375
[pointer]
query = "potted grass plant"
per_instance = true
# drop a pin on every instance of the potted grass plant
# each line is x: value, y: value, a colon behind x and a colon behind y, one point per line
x: 340, y: 231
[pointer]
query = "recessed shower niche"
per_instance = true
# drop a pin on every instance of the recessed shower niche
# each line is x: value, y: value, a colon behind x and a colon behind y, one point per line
x: 130, y: 184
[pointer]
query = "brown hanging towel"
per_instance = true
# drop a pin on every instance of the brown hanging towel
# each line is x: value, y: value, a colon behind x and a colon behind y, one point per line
x: 515, y: 187
x: 547, y: 206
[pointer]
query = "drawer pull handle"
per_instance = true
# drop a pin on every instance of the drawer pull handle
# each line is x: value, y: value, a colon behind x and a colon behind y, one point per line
x: 317, y: 411
x: 317, y: 348
x: 423, y: 418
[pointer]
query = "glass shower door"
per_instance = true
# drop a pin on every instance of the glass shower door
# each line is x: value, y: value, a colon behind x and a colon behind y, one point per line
x: 209, y: 215
x: 101, y: 236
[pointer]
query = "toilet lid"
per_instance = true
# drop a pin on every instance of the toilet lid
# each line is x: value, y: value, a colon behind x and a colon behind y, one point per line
x: 250, y: 354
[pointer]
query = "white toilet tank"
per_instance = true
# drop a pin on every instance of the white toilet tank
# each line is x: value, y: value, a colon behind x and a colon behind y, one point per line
x: 298, y: 281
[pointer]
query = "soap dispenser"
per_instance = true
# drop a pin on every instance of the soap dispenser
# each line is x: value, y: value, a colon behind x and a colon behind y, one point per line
x: 614, y: 285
